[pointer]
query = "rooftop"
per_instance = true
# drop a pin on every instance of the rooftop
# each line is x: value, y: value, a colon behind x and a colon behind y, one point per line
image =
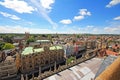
x: 82, y: 71
x: 107, y: 61
x: 55, y: 47
x: 111, y: 52
x: 112, y: 72
x: 43, y: 41
x: 31, y: 50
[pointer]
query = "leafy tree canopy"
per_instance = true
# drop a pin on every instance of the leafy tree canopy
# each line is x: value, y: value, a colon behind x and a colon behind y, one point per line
x: 30, y: 39
x: 8, y: 46
x: 1, y: 45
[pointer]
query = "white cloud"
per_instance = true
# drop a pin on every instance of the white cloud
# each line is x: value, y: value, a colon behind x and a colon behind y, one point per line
x: 96, y: 30
x: 80, y: 29
x: 117, y: 18
x: 47, y: 3
x: 89, y: 13
x: 89, y: 28
x: 19, y: 6
x: 112, y: 29
x: 66, y: 21
x: 78, y: 17
x: 113, y: 3
x: 84, y: 12
x: 19, y: 29
x: 14, y: 17
x: 68, y: 30
x: 43, y: 12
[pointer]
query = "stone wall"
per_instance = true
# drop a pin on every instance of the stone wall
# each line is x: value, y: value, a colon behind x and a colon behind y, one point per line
x: 7, y: 70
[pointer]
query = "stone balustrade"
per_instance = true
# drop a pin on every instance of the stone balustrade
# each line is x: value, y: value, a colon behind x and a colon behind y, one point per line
x: 63, y: 67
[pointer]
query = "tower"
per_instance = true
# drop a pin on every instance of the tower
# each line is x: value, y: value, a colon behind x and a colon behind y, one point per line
x: 27, y: 34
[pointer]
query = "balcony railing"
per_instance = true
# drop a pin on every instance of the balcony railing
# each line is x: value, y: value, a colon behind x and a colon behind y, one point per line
x: 89, y: 55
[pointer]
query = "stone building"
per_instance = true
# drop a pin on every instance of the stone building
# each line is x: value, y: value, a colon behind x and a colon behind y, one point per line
x: 8, y: 70
x: 40, y: 43
x: 2, y: 56
x: 91, y: 44
x: 77, y: 49
x: 33, y: 58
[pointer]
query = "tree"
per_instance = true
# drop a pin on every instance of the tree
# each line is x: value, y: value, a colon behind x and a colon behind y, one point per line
x: 49, y: 37
x: 1, y: 45
x: 30, y: 39
x: 8, y: 39
x: 73, y: 41
x: 8, y: 46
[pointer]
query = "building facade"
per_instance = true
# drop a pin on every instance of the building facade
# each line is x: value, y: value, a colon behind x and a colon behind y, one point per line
x: 32, y: 58
x: 8, y: 71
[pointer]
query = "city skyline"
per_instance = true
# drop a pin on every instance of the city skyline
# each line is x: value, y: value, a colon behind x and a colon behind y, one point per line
x: 60, y: 16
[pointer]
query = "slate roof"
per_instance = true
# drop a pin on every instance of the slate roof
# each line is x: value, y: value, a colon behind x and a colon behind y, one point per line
x: 82, y: 71
x: 19, y: 38
x: 106, y: 62
x: 112, y: 72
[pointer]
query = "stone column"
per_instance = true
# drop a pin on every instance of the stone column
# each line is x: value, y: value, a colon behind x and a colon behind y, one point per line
x: 33, y: 76
x: 66, y: 61
x: 26, y: 77
x: 22, y: 78
x: 55, y: 66
x: 39, y: 70
x: 39, y: 76
x: 76, y: 59
x: 50, y: 69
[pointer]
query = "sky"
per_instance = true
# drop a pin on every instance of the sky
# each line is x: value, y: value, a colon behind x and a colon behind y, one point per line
x: 60, y: 16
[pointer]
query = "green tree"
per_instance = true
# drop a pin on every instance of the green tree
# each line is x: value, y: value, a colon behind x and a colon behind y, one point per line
x: 8, y: 39
x: 1, y: 45
x: 69, y: 60
x: 30, y: 39
x: 73, y: 41
x: 49, y: 37
x: 8, y: 46
x: 78, y: 35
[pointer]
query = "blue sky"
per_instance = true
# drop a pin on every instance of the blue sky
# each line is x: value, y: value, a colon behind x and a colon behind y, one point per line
x: 60, y: 16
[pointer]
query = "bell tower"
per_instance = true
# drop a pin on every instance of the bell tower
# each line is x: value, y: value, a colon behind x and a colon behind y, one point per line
x: 27, y: 34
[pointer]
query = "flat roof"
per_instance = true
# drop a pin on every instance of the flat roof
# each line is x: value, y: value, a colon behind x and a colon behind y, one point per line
x: 39, y: 50
x: 55, y: 48
x: 42, y: 40
x: 30, y: 50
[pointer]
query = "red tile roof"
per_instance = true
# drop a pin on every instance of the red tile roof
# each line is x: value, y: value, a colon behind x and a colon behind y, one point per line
x: 108, y: 52
x: 116, y: 47
x: 79, y: 43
